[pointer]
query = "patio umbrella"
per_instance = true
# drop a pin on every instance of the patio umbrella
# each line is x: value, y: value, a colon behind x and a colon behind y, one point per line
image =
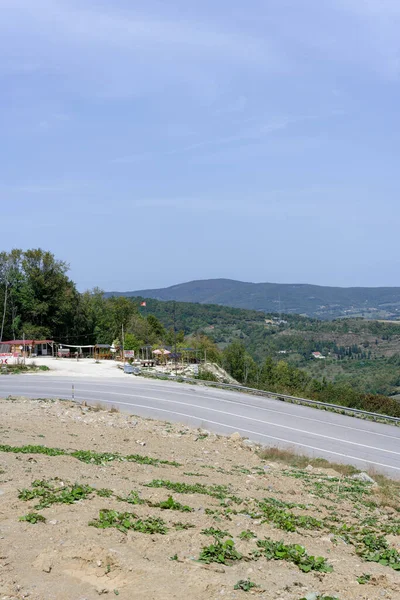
x: 165, y: 352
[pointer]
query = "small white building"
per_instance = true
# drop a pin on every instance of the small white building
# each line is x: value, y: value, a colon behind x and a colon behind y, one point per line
x: 317, y: 355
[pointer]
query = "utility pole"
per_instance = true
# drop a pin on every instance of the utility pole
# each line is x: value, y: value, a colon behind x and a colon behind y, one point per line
x: 5, y: 302
x: 123, y: 345
x: 4, y: 312
x: 175, y: 355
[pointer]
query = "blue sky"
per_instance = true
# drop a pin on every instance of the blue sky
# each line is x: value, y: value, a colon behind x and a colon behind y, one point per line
x: 150, y: 143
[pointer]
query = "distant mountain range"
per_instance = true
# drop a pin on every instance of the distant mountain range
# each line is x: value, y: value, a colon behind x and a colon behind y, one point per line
x: 312, y: 300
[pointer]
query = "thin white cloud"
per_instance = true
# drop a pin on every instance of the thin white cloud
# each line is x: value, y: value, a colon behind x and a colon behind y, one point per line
x: 242, y: 138
x: 69, y: 22
x: 253, y: 133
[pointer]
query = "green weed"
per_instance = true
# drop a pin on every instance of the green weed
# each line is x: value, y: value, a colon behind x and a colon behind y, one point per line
x: 171, y: 504
x: 132, y: 498
x: 104, y: 493
x: 125, y: 521
x: 31, y: 450
x: 49, y: 493
x: 220, y: 552
x: 245, y: 585
x: 247, y: 535
x: 182, y: 526
x: 33, y: 518
x: 88, y: 456
x: 216, y: 491
x: 217, y: 533
x: 284, y: 519
x: 364, y: 578
x: 293, y: 553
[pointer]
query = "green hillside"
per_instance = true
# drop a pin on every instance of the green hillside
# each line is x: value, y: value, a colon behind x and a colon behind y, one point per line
x: 312, y: 300
x: 362, y: 353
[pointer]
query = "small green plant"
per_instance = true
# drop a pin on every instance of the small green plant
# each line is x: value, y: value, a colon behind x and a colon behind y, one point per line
x: 323, y: 598
x: 48, y: 492
x: 216, y: 491
x: 217, y: 533
x: 147, y: 460
x: 104, y: 493
x: 293, y: 553
x: 33, y: 518
x: 173, y: 557
x: 182, y: 526
x: 132, y: 498
x: 244, y: 584
x: 220, y: 552
x: 171, y: 504
x: 31, y: 450
x: 124, y: 521
x: 88, y: 456
x: 364, y: 578
x: 247, y: 535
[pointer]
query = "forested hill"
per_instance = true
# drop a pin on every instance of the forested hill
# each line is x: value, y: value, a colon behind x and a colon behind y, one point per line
x: 311, y: 300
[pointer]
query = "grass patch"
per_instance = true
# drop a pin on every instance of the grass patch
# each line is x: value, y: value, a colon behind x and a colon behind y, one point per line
x: 33, y: 518
x: 245, y: 585
x: 247, y: 535
x: 48, y: 493
x: 293, y: 553
x: 32, y: 450
x: 323, y: 597
x: 183, y: 526
x: 132, y: 498
x: 104, y: 493
x: 216, y: 491
x: 88, y: 456
x: 125, y: 521
x: 217, y: 533
x: 376, y: 549
x: 285, y: 519
x: 220, y: 552
x: 388, y: 491
x: 364, y: 578
x: 300, y: 461
x: 171, y: 504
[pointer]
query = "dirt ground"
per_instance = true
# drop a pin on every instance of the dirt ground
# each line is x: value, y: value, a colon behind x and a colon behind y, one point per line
x: 64, y: 558
x: 84, y: 367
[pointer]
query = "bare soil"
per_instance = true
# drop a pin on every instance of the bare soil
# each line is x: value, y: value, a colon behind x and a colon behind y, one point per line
x: 66, y: 559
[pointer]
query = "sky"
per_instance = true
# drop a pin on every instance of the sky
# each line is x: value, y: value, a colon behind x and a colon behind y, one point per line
x: 152, y: 143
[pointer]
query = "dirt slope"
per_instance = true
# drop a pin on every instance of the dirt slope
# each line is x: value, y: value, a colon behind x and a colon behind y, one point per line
x: 64, y: 558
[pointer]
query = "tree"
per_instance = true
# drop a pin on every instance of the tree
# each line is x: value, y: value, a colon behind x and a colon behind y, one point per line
x: 42, y: 299
x: 238, y: 363
x: 156, y: 327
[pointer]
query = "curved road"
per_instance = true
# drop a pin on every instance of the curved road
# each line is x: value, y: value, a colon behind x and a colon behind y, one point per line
x: 267, y: 421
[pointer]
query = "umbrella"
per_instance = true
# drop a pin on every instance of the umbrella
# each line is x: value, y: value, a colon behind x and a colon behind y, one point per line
x: 161, y: 352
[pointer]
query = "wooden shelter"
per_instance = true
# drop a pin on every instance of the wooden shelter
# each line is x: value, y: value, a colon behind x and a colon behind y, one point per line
x: 102, y: 352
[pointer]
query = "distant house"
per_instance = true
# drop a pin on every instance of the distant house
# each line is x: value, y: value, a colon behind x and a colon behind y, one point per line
x: 317, y: 355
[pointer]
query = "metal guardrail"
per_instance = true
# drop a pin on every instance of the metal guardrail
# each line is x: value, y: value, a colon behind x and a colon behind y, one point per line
x: 282, y: 397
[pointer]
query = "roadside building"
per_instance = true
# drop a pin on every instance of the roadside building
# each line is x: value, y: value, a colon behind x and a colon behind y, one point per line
x: 31, y: 347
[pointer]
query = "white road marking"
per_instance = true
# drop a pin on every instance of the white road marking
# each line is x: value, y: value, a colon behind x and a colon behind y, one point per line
x: 302, y: 431
x: 270, y: 437
x: 247, y: 405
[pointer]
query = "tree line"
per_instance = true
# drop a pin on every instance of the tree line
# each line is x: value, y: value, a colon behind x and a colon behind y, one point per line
x: 39, y: 300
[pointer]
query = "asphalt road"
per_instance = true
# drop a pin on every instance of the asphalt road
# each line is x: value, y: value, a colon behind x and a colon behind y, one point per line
x: 267, y: 421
